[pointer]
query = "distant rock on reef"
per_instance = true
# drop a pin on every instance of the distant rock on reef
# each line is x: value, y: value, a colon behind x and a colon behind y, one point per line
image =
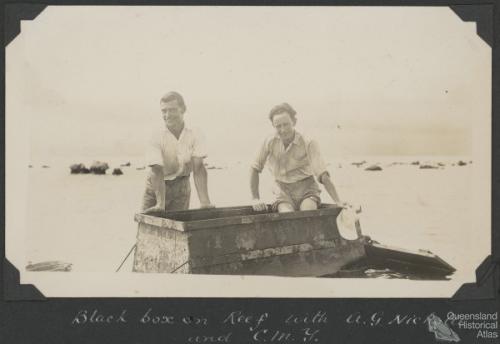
x: 125, y: 165
x: 30, y: 166
x: 428, y: 166
x: 117, y: 172
x: 461, y: 163
x: 141, y: 168
x: 77, y: 168
x: 373, y: 168
x: 99, y: 167
x: 415, y: 163
x: 45, y: 166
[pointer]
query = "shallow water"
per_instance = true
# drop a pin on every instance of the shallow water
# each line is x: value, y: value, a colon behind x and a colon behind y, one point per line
x: 87, y: 220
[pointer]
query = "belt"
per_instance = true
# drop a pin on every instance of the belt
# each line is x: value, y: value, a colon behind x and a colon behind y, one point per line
x: 297, y: 181
x: 178, y: 178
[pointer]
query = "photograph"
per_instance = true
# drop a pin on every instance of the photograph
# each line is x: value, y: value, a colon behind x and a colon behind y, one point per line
x: 254, y: 151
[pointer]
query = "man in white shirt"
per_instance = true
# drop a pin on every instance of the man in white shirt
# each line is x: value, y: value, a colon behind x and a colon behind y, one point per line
x: 175, y: 152
x: 294, y: 161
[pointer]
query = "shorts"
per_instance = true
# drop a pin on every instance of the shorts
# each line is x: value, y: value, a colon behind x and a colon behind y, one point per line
x: 295, y: 193
x: 177, y: 194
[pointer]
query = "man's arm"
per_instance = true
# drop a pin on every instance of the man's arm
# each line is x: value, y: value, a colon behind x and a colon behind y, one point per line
x: 320, y: 171
x: 158, y: 185
x: 255, y: 169
x: 257, y: 205
x: 254, y: 183
x: 330, y: 188
x: 200, y: 177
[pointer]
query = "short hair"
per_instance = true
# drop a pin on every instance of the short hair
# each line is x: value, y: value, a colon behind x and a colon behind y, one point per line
x: 281, y: 108
x: 170, y: 96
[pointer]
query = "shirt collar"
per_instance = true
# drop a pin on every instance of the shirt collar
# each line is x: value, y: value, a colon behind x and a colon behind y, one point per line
x: 296, y: 139
x: 184, y: 130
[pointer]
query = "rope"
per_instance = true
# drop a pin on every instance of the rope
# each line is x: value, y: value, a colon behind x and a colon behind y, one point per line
x: 180, y: 266
x: 133, y: 247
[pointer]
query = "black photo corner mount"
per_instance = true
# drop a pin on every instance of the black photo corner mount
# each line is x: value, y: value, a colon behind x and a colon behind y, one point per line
x: 487, y: 285
x: 482, y: 15
x: 13, y: 15
x: 13, y: 290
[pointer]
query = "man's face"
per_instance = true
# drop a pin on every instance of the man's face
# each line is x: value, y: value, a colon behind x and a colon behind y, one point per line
x: 284, y: 126
x: 173, y: 113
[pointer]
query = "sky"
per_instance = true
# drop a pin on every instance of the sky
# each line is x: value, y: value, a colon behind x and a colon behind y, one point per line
x: 364, y: 81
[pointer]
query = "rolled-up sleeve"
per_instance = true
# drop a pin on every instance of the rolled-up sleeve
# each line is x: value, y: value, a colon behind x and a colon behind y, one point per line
x: 261, y: 158
x: 199, y: 144
x: 153, y: 151
x: 317, y: 164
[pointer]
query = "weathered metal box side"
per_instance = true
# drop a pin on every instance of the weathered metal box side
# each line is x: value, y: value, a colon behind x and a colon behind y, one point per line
x: 313, y: 263
x: 305, y: 244
x: 160, y: 249
x: 242, y: 238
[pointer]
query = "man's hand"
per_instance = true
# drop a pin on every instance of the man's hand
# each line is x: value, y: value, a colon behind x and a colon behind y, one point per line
x: 258, y: 205
x: 156, y: 209
x: 343, y: 204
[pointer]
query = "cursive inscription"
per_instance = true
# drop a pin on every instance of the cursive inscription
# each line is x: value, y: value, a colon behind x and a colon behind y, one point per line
x: 96, y: 317
x: 154, y: 318
x: 253, y: 321
x: 380, y: 319
x: 234, y: 327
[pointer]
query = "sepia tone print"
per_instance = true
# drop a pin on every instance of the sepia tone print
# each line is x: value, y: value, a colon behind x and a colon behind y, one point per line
x: 189, y: 145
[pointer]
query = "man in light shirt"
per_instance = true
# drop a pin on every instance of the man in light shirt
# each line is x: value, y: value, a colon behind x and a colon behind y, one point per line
x: 294, y: 161
x: 174, y: 153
